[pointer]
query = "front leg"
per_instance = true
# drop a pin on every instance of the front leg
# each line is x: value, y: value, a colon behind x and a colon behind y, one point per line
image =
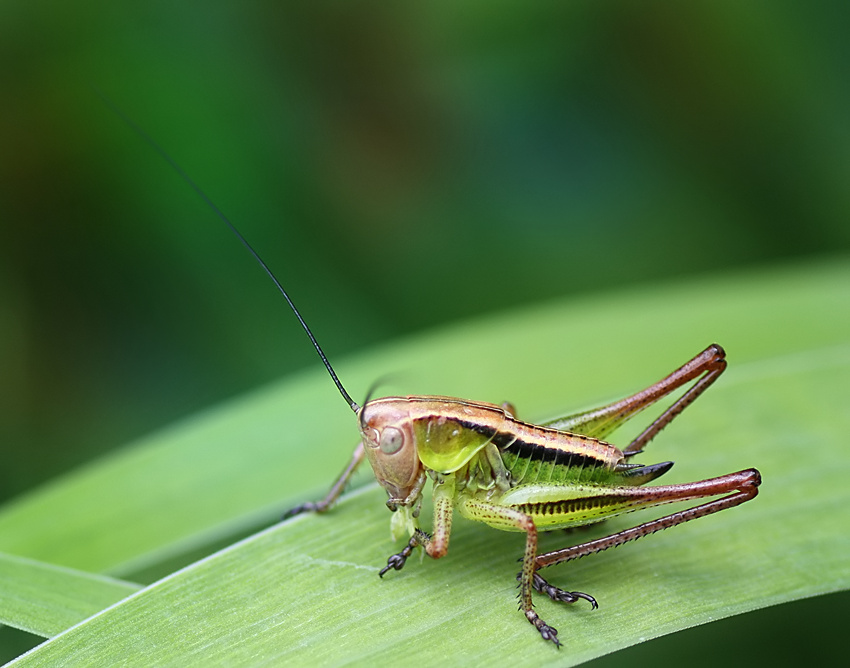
x: 436, y: 545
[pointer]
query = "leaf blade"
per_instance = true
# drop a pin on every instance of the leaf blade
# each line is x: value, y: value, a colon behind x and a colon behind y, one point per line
x: 310, y: 584
x: 45, y: 599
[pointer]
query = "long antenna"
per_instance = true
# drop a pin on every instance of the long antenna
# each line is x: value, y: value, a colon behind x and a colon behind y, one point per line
x: 156, y: 147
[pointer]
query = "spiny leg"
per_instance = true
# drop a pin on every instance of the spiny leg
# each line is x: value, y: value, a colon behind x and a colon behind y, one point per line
x: 599, y: 422
x: 743, y: 486
x: 511, y: 518
x: 335, y: 490
x: 711, y: 362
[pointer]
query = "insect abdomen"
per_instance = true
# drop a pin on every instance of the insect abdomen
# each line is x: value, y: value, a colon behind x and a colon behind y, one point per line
x: 534, y: 454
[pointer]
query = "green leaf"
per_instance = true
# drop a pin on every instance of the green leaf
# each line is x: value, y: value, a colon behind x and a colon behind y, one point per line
x: 306, y: 590
x: 45, y: 599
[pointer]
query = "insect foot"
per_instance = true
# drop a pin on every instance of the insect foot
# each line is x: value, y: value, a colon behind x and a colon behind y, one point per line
x: 308, y: 507
x: 548, y: 632
x: 560, y: 595
x: 397, y: 561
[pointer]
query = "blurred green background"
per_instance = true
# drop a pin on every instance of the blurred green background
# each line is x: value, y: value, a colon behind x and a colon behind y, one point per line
x: 398, y: 166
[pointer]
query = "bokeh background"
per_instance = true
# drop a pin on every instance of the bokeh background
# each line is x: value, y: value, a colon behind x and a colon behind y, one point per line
x: 399, y: 166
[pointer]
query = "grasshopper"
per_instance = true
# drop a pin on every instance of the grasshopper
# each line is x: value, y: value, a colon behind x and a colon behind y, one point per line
x: 491, y: 467
x: 513, y: 475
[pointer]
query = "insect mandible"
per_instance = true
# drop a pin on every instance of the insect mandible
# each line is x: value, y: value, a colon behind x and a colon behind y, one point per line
x: 491, y: 467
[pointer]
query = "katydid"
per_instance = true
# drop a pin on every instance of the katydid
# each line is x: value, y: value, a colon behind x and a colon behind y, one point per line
x: 513, y: 475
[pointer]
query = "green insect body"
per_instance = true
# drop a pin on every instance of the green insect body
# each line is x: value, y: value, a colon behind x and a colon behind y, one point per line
x: 513, y: 475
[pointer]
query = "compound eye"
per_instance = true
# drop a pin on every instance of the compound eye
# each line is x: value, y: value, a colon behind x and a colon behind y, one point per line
x: 392, y: 440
